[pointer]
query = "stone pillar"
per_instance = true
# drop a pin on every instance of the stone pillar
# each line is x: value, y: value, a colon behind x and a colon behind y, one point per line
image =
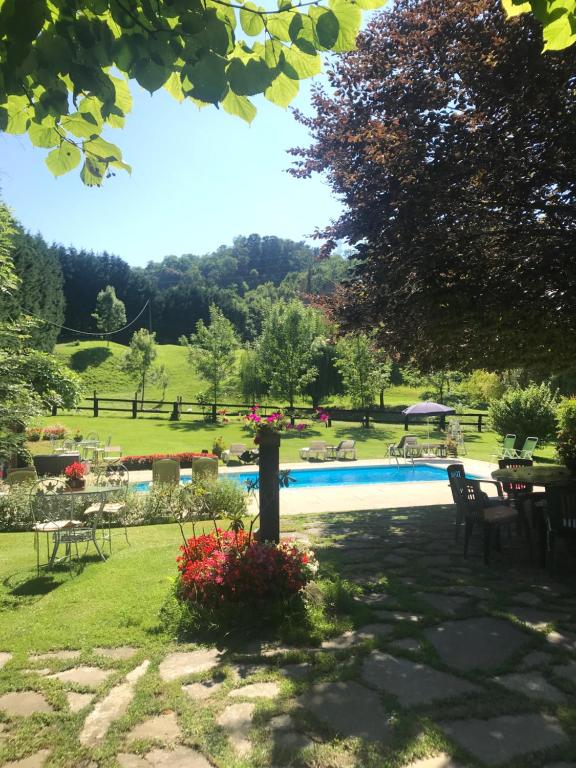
x: 269, y: 464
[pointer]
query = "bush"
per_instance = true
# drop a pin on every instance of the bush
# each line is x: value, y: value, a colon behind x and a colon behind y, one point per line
x: 15, y: 509
x: 33, y: 434
x: 525, y: 412
x: 566, y: 437
x: 54, y: 432
x: 481, y: 387
x: 218, y: 446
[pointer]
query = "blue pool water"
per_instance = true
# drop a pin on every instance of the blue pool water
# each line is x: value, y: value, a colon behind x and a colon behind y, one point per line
x: 348, y: 475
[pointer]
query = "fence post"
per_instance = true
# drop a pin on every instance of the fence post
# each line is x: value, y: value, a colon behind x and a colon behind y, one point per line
x: 175, y: 415
x: 135, y: 406
x: 405, y: 423
x: 95, y: 405
x: 480, y: 422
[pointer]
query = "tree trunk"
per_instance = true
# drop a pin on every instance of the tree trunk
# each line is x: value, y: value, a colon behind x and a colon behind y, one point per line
x: 382, y: 398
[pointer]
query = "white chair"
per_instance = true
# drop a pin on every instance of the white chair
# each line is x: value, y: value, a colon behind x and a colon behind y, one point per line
x: 345, y: 448
x: 317, y: 448
x: 234, y: 452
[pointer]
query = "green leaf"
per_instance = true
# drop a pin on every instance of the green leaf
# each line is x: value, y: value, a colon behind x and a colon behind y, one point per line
x: 150, y: 75
x: 83, y: 125
x: 284, y: 4
x: 349, y: 19
x: 93, y: 172
x: 123, y: 95
x: 299, y: 64
x: 63, y: 159
x: 282, y: 90
x: 43, y: 136
x: 250, y: 78
x: 122, y: 165
x: 279, y: 25
x: 515, y: 8
x: 93, y: 107
x: 207, y: 79
x: 174, y: 86
x: 273, y: 53
x: 327, y: 27
x: 240, y: 106
x: 102, y: 150
x: 302, y: 30
x: 18, y: 109
x: 251, y: 22
x: 559, y: 33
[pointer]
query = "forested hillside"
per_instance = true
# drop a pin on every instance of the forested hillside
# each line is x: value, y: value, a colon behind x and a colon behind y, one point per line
x: 241, y: 279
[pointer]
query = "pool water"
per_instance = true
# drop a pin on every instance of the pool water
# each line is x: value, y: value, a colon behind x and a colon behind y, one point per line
x: 313, y: 477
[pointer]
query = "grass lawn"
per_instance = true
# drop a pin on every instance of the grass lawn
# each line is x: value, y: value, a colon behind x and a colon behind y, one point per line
x: 398, y: 560
x: 149, y: 434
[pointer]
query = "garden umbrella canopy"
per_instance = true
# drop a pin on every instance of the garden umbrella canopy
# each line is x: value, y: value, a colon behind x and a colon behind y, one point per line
x: 427, y: 408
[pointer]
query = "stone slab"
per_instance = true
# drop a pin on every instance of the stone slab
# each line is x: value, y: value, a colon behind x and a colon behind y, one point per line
x: 440, y: 761
x: 562, y: 640
x: 406, y: 644
x: 24, y: 703
x: 201, y: 691
x: 77, y: 701
x: 349, y: 709
x: 88, y: 677
x: 412, y: 683
x: 479, y: 593
x: 448, y: 604
x: 179, y: 757
x: 184, y: 663
x: 236, y: 720
x: 37, y: 760
x: 55, y: 656
x: 536, y: 617
x: 121, y: 653
x: 4, y: 658
x: 113, y: 706
x: 566, y: 672
x: 531, y: 684
x: 371, y: 631
x: 296, y: 671
x: 501, y: 739
x: 163, y: 728
x: 386, y: 615
x: 536, y: 659
x: 480, y: 643
x: 256, y: 691
x: 528, y: 598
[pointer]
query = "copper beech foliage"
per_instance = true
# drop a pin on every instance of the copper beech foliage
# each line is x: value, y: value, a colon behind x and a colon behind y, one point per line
x: 452, y: 142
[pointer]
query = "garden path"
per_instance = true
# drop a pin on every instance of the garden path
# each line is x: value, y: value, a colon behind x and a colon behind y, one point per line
x: 449, y: 664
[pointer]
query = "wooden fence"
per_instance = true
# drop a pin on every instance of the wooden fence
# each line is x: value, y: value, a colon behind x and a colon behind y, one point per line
x: 180, y: 408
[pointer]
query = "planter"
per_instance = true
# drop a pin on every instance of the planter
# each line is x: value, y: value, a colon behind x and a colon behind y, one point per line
x: 53, y: 464
x: 267, y: 437
x: 76, y: 483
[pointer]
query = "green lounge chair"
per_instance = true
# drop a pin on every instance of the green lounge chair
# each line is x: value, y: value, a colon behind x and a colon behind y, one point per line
x: 166, y: 472
x: 204, y: 468
x: 527, y: 449
x: 507, y: 451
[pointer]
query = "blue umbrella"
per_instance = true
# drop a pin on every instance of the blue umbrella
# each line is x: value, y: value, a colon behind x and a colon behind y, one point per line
x: 427, y: 408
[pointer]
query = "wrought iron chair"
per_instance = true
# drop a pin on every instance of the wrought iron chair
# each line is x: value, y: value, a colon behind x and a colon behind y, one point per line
x: 478, y: 511
x: 113, y: 476
x: 48, y: 500
x: 560, y: 515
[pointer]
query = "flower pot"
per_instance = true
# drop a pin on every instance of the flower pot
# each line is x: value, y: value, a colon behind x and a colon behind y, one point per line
x: 76, y: 483
x: 267, y: 437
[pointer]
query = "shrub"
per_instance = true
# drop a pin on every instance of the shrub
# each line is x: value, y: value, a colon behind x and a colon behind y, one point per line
x: 481, y: 387
x: 33, y: 434
x: 525, y: 412
x: 15, y: 509
x: 218, y: 446
x: 566, y: 437
x: 54, y: 432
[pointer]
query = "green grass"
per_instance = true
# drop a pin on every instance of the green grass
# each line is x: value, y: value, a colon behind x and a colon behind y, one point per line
x: 151, y: 434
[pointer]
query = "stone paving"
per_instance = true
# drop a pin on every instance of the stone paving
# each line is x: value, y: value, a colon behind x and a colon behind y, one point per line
x: 459, y: 664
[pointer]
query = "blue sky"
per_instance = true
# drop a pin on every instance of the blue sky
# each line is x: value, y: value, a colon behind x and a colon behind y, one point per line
x: 199, y: 178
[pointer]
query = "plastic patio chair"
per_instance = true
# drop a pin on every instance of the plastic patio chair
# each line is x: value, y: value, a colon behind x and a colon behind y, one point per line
x: 527, y: 449
x: 344, y: 448
x: 165, y: 472
x: 204, y: 468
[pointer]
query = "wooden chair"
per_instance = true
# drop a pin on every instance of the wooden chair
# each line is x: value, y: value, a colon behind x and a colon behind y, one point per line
x: 560, y: 516
x: 478, y: 511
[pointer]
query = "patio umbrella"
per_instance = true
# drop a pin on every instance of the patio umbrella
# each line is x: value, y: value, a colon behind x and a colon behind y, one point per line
x: 428, y: 409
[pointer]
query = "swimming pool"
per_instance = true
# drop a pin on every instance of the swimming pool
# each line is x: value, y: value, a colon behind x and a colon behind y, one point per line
x: 313, y: 477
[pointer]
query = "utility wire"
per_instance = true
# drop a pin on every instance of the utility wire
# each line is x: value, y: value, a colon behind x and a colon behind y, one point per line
x: 88, y: 333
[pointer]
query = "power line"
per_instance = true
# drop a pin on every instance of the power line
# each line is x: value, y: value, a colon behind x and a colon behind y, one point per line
x: 88, y: 333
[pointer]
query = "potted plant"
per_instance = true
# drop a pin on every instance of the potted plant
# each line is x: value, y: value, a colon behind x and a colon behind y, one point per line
x: 78, y: 436
x: 75, y: 476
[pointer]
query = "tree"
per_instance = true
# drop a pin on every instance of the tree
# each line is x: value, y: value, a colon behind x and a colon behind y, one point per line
x: 328, y: 380
x: 452, y: 142
x: 57, y: 61
x: 53, y: 381
x: 161, y: 378
x: 526, y: 412
x: 252, y: 384
x: 286, y: 348
x: 139, y: 359
x: 357, y: 363
x: 110, y: 313
x: 212, y: 352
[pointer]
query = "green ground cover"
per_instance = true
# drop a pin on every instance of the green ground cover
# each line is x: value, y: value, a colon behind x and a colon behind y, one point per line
x: 149, y: 434
x: 398, y: 560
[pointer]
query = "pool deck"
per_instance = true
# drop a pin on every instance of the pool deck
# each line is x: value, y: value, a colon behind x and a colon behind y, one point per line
x: 347, y: 498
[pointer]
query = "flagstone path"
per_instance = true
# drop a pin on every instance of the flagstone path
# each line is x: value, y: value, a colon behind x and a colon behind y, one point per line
x: 449, y: 664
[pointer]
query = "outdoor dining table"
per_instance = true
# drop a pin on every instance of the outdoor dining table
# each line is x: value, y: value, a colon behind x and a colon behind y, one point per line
x: 544, y: 476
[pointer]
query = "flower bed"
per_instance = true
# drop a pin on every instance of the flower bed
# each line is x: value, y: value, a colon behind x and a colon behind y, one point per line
x: 145, y: 462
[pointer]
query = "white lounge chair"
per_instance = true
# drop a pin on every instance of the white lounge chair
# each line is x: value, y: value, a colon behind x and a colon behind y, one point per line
x: 345, y: 448
x: 317, y: 448
x: 234, y: 452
